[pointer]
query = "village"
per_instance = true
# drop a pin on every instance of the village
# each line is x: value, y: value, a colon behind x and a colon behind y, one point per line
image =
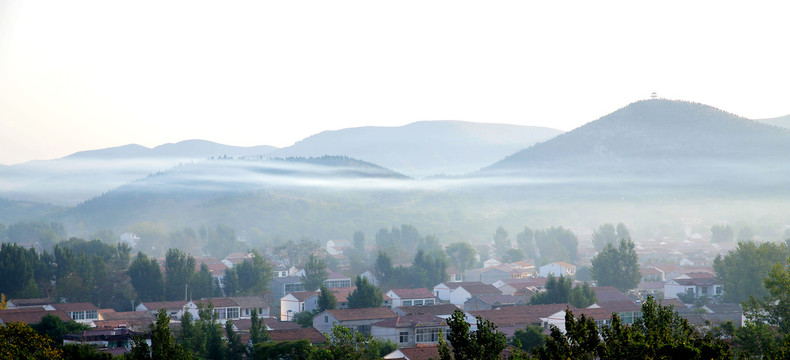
x: 676, y: 273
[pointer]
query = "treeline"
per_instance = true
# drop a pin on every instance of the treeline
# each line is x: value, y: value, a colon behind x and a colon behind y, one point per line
x: 107, y: 276
x: 76, y: 271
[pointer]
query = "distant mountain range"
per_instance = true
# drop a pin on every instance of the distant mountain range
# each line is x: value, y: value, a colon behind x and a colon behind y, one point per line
x: 661, y: 143
x: 425, y: 148
x: 419, y: 149
x: 80, y: 176
x: 782, y: 121
x: 647, y: 153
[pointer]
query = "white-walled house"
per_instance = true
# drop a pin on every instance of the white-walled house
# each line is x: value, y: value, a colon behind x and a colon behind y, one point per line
x: 336, y: 247
x: 600, y: 316
x: 411, y: 330
x: 697, y: 284
x: 558, y: 269
x: 83, y: 313
x: 296, y: 302
x: 360, y: 320
x: 371, y: 277
x: 175, y: 309
x: 461, y: 294
x: 410, y: 297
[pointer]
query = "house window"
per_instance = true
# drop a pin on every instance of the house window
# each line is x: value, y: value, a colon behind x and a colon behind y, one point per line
x: 429, y: 302
x: 221, y: 314
x: 457, y: 278
x: 78, y: 315
x: 428, y: 335
x: 404, y: 337
x: 718, y: 290
x: 406, y: 302
x: 363, y: 329
x: 233, y: 313
x: 326, y: 319
x: 91, y: 314
x: 417, y: 302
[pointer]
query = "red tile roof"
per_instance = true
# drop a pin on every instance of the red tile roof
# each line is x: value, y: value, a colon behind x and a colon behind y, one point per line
x: 303, y: 295
x: 30, y: 315
x: 83, y: 306
x: 438, y: 309
x: 218, y: 302
x: 362, y: 314
x: 407, y: 321
x: 419, y: 293
x: 309, y: 333
x: 419, y: 353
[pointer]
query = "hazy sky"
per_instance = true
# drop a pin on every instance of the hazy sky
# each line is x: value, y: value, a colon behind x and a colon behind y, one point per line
x: 77, y: 75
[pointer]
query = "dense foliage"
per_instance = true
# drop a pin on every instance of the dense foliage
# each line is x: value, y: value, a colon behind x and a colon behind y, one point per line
x: 742, y: 270
x: 561, y: 291
x: 618, y: 267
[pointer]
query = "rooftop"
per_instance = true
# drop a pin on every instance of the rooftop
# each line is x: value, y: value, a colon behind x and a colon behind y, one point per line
x: 362, y: 314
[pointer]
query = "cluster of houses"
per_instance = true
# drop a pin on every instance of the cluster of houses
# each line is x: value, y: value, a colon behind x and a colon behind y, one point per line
x: 412, y: 318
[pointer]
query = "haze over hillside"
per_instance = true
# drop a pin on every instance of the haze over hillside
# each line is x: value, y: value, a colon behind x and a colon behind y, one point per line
x: 782, y: 121
x: 79, y: 176
x: 424, y: 148
x: 661, y: 143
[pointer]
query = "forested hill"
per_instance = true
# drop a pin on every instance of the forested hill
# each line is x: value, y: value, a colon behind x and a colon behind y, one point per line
x: 424, y: 148
x: 657, y: 140
x: 234, y: 191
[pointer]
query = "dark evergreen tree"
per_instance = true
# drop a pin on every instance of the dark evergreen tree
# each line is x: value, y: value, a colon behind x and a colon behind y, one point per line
x: 315, y: 273
x: 365, y: 295
x: 327, y: 300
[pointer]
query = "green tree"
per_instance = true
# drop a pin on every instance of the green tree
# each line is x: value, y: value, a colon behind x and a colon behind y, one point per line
x: 146, y: 278
x: 383, y: 268
x: 179, y: 268
x: 513, y: 255
x: 721, y: 234
x: 365, y: 295
x: 201, y: 285
x: 526, y: 242
x: 461, y: 255
x: 314, y: 273
x: 258, y: 333
x: 236, y: 350
x: 20, y: 341
x: 25, y: 272
x: 163, y: 344
x: 660, y: 334
x: 580, y: 340
x: 742, y: 270
x: 561, y: 291
x: 251, y: 277
x: 83, y: 352
x: 556, y: 244
x: 428, y: 270
x: 305, y: 318
x: 327, y: 300
x: 342, y: 343
x: 501, y: 242
x: 54, y: 328
x: 774, y: 308
x: 484, y: 344
x: 605, y: 234
x: 286, y: 350
x: 528, y: 338
x: 618, y: 267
